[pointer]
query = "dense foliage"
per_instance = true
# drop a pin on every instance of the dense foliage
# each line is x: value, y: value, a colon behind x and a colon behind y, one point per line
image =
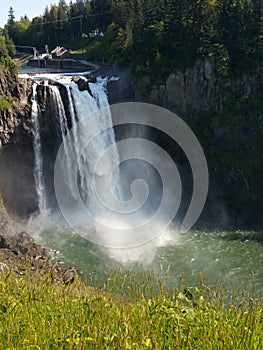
x: 5, y: 60
x: 149, y: 35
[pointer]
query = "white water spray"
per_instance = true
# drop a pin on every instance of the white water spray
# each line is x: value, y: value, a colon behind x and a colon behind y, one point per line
x: 38, y: 171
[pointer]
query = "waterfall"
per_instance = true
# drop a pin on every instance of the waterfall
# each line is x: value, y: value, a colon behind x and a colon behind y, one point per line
x: 82, y: 175
x: 64, y: 128
x: 89, y: 146
x: 38, y: 170
x: 82, y: 147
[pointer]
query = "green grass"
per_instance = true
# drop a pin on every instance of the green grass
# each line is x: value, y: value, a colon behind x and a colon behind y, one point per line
x: 36, y: 313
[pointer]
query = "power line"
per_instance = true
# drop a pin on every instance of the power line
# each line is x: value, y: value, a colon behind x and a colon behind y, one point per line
x: 71, y: 18
x: 28, y: 47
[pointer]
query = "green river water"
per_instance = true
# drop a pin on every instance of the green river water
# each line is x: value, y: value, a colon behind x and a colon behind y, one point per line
x: 231, y: 258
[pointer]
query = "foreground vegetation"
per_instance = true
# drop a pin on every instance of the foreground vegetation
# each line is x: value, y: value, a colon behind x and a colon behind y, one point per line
x: 36, y: 313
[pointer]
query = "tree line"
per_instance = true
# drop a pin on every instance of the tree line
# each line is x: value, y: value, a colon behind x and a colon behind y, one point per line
x: 151, y: 36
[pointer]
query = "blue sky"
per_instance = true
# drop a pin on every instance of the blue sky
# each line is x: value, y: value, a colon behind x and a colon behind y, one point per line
x: 31, y: 8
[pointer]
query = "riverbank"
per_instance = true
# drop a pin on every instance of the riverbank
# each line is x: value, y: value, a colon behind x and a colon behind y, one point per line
x: 21, y: 254
x: 45, y: 305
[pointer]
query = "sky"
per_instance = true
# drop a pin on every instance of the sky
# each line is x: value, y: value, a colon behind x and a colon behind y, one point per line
x: 31, y: 8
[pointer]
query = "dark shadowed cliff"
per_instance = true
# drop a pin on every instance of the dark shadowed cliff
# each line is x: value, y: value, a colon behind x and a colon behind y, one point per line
x: 17, y: 184
x: 227, y: 117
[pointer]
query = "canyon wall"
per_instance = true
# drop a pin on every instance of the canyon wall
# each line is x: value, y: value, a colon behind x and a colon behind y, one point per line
x: 17, y: 184
x: 227, y: 117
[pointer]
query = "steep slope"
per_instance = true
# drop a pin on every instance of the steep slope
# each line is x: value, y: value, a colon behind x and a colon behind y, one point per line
x: 16, y: 149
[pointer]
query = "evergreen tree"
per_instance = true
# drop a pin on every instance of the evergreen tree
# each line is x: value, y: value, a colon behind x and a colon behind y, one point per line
x: 5, y: 61
x: 11, y: 16
x: 234, y: 18
x: 36, y: 33
x: 51, y: 26
x: 152, y: 36
x: 102, y: 10
x: 3, y: 48
x: 173, y: 29
x: 256, y: 28
x: 10, y: 45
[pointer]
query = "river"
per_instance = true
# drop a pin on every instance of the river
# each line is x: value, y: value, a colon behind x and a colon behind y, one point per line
x: 233, y: 259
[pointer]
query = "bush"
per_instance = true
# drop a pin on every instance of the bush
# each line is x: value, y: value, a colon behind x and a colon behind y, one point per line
x: 6, y: 102
x: 6, y: 61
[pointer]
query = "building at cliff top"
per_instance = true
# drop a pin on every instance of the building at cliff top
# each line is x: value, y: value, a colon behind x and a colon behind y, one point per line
x: 60, y: 53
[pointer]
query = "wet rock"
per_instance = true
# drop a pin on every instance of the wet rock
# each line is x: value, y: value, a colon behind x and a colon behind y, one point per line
x: 25, y: 244
x: 23, y: 254
x: 92, y: 78
x: 69, y: 275
x: 3, y: 243
x: 82, y: 83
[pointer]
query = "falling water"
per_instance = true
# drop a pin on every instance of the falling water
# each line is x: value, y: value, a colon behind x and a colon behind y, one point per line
x: 85, y: 105
x: 86, y: 192
x: 68, y: 146
x: 82, y: 148
x: 38, y: 171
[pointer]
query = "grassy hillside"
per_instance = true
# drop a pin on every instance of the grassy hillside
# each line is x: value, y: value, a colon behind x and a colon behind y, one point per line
x: 36, y: 313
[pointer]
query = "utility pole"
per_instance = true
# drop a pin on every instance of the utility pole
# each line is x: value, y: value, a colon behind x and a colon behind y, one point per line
x: 80, y: 24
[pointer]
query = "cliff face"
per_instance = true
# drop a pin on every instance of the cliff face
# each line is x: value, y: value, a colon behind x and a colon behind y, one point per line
x: 17, y: 184
x: 188, y: 94
x: 227, y: 118
x: 19, y: 92
x: 185, y: 93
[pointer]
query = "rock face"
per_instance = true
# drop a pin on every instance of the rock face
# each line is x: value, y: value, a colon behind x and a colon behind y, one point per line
x: 17, y: 159
x: 200, y: 99
x: 17, y: 184
x: 83, y: 84
x: 192, y: 91
x: 189, y: 94
x: 19, y: 91
x: 185, y: 93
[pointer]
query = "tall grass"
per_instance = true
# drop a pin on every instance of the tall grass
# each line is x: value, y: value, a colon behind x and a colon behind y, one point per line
x: 137, y: 312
